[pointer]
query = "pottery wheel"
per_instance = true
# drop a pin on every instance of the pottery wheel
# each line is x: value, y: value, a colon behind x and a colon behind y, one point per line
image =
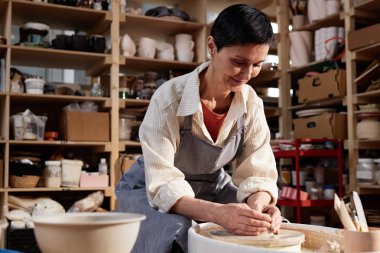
x: 283, y: 239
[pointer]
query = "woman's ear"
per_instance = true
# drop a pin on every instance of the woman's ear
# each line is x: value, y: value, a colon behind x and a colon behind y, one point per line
x: 211, y: 46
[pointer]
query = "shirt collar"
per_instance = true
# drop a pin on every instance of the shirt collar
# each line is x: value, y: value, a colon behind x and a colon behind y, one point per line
x: 190, y: 101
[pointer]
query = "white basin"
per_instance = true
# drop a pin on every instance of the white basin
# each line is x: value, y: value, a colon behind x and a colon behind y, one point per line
x: 317, y: 239
x: 87, y: 232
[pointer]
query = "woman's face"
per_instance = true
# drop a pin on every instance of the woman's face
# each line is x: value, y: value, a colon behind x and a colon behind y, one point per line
x: 235, y: 65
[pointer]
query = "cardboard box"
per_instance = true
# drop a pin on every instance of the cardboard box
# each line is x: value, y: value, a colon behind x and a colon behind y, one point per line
x: 291, y: 193
x: 329, y: 84
x: 364, y: 37
x: 86, y: 126
x: 94, y: 181
x: 325, y: 125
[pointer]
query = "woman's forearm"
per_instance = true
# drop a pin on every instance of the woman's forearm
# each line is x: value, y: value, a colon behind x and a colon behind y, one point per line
x: 196, y: 209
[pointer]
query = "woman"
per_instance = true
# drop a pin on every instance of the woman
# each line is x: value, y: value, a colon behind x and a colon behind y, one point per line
x: 195, y: 125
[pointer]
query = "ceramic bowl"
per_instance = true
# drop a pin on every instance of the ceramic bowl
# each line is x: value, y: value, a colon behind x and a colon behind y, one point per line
x: 87, y: 232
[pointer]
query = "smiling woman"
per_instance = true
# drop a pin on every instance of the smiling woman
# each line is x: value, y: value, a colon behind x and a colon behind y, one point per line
x: 196, y: 125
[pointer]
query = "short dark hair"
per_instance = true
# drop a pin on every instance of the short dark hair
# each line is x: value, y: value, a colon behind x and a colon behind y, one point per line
x: 241, y: 24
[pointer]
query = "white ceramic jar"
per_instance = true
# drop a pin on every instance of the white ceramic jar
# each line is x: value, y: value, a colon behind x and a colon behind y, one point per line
x: 368, y: 128
x: 364, y: 170
x: 52, y: 174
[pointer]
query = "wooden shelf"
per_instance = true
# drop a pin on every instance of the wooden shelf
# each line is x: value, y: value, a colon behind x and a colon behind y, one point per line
x: 368, y: 189
x: 299, y: 72
x: 368, y: 53
x: 305, y: 203
x: 332, y: 20
x: 93, y: 63
x: 107, y: 190
x: 372, y: 144
x: 366, y: 11
x: 102, y: 145
x: 138, y: 63
x: 269, y: 100
x: 61, y: 16
x: 365, y: 97
x: 126, y: 103
x: 318, y: 104
x: 369, y: 5
x: 51, y: 98
x: 266, y: 78
x: 161, y: 26
x: 129, y: 144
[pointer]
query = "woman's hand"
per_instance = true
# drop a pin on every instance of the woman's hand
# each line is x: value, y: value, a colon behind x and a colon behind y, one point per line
x: 275, y: 213
x: 240, y: 219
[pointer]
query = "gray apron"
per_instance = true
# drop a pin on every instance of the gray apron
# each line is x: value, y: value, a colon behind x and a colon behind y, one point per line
x: 202, y: 163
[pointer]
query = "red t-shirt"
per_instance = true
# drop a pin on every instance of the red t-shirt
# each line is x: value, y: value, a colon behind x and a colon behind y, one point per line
x: 213, y: 121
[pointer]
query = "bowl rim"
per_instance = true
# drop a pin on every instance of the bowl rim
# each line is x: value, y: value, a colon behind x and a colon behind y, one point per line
x: 60, y: 219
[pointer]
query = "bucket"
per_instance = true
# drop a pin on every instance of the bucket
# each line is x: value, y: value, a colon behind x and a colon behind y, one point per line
x: 71, y: 171
x: 356, y: 241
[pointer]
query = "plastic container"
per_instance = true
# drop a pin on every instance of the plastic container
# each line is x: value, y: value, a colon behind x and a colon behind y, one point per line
x: 376, y: 173
x: 102, y: 167
x: 18, y: 126
x: 71, y: 171
x: 328, y: 192
x: 364, y: 170
x: 34, y: 85
x: 53, y: 174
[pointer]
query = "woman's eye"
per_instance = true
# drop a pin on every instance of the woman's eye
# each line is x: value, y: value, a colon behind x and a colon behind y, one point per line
x: 240, y: 64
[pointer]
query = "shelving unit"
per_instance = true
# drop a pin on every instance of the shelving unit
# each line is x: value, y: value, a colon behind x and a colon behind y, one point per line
x: 15, y: 13
x: 357, y: 17
x: 297, y: 154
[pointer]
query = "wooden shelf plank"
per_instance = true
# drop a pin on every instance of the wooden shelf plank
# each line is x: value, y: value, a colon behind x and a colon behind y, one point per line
x: 372, y: 144
x: 368, y: 189
x: 59, y: 143
x: 332, y: 20
x: 128, y: 144
x: 266, y: 78
x: 55, y: 58
x: 369, y: 5
x: 318, y: 104
x: 54, y: 15
x: 52, y: 98
x: 107, y: 190
x: 369, y: 52
x: 126, y: 103
x: 147, y: 24
x: 299, y: 72
x: 365, y: 97
x: 138, y: 63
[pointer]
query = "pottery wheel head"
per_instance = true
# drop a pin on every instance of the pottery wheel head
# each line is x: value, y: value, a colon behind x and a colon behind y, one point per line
x: 283, y: 239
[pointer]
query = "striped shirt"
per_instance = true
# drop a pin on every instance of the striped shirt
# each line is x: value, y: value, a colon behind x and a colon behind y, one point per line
x: 255, y: 168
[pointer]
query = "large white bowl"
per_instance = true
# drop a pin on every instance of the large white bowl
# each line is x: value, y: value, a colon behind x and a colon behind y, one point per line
x: 87, y: 232
x: 317, y: 239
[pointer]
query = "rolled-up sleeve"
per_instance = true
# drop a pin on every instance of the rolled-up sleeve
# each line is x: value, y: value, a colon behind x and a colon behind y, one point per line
x: 256, y: 166
x: 165, y: 183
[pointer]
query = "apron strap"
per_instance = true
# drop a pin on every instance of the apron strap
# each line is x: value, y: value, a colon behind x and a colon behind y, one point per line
x: 240, y: 127
x: 188, y: 123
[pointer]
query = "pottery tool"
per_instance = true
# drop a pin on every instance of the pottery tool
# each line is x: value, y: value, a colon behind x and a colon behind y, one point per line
x: 360, y: 212
x: 341, y: 210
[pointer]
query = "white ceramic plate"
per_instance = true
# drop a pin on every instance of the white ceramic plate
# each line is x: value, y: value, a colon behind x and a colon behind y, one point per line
x: 312, y: 112
x: 36, y: 26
